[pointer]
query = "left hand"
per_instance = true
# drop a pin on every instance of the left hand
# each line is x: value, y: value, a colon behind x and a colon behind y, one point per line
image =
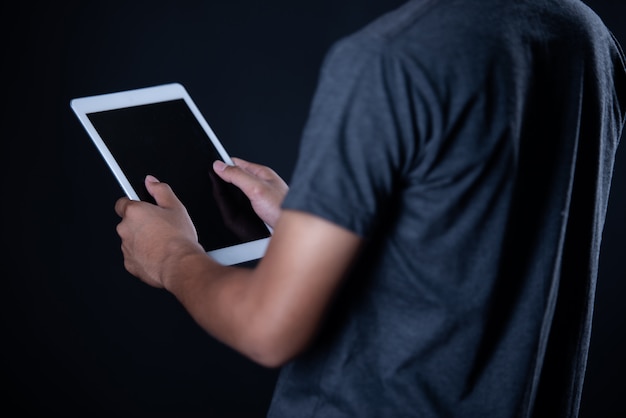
x: 153, y: 234
x: 262, y: 185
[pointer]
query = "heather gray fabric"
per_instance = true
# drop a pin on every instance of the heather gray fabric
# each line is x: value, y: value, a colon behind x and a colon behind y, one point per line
x: 471, y: 143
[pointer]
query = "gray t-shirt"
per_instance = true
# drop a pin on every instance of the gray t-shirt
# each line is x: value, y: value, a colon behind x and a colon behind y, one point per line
x: 471, y: 144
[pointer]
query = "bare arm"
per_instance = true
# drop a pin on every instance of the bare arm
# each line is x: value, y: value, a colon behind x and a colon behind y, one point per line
x: 269, y: 313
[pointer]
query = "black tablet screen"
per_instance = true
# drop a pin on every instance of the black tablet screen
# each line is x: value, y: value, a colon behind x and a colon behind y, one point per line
x: 165, y: 139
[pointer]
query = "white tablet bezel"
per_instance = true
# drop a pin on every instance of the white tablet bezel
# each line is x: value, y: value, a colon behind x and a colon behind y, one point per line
x: 83, y: 106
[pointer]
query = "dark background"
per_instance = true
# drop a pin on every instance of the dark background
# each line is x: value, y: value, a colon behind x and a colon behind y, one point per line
x: 79, y: 335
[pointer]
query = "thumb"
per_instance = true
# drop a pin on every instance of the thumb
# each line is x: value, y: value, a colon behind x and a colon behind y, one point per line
x: 161, y: 192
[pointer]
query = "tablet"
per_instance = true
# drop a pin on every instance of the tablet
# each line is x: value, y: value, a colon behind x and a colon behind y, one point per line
x: 159, y: 131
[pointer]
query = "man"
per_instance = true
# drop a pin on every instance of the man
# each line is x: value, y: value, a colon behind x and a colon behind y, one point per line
x: 436, y: 252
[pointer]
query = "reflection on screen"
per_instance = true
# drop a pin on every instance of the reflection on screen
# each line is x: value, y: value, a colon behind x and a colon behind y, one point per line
x: 165, y: 140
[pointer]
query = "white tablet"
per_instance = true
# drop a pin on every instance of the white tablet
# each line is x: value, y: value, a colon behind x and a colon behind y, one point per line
x: 160, y: 131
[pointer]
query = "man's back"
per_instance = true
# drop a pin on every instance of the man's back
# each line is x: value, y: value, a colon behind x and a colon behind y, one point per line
x: 471, y: 142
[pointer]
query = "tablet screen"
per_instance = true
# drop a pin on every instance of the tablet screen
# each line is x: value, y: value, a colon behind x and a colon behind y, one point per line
x: 166, y: 140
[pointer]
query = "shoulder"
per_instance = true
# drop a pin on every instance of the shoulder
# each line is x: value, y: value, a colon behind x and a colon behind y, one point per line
x: 435, y: 36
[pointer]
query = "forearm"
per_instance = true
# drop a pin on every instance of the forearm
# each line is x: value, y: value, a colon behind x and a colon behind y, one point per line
x: 269, y: 313
x: 233, y: 304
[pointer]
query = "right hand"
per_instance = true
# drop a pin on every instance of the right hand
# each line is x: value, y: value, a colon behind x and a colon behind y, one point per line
x: 265, y: 189
x: 154, y: 234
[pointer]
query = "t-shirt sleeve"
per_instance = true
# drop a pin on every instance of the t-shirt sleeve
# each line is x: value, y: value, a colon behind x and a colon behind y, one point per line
x: 359, y: 140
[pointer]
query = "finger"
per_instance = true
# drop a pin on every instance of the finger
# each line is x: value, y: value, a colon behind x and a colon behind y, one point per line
x: 120, y: 206
x: 234, y: 174
x: 246, y: 165
x: 161, y: 192
x: 257, y: 170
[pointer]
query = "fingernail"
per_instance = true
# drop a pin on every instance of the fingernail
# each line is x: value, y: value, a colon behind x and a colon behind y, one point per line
x: 219, y: 165
x: 152, y: 179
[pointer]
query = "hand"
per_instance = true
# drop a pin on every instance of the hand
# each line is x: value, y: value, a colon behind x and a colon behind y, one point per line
x: 236, y: 210
x: 153, y: 234
x: 265, y: 189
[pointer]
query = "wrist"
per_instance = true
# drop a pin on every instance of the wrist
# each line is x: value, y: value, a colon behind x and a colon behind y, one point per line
x: 183, y: 260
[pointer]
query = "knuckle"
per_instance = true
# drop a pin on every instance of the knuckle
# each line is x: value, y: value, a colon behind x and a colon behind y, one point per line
x: 265, y: 172
x: 121, y: 229
x: 257, y: 191
x: 165, y: 187
x: 233, y: 170
x: 131, y: 209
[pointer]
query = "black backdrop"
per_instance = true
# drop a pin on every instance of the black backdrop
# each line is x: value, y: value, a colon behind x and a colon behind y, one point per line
x: 80, y: 336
